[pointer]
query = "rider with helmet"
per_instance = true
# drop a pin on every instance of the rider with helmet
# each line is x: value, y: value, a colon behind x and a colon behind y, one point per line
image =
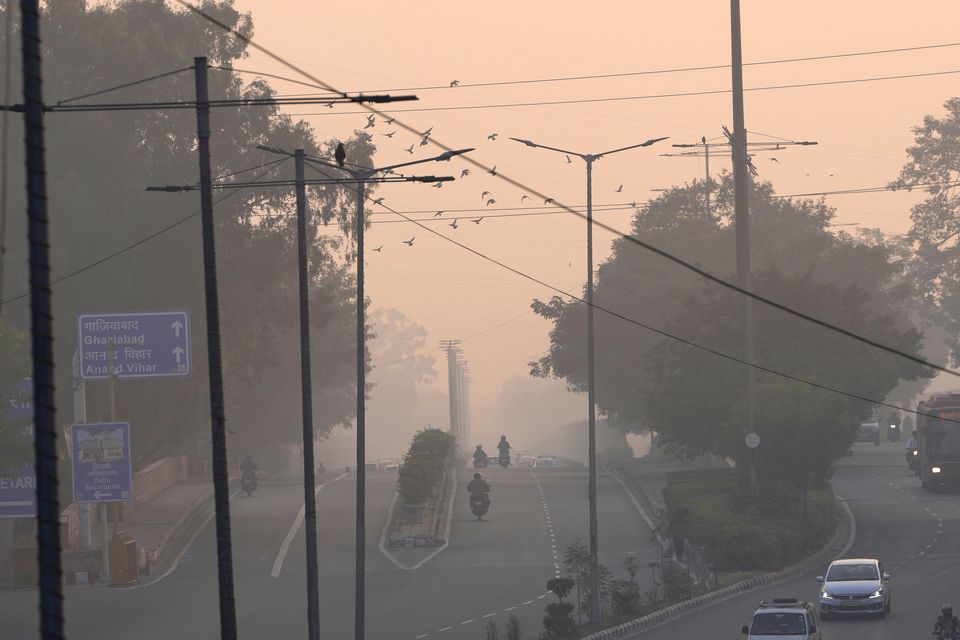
x: 479, y: 457
x: 504, y: 448
x: 479, y: 490
x: 947, y: 624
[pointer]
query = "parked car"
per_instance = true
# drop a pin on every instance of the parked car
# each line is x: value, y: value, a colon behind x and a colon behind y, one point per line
x: 856, y: 585
x: 869, y: 432
x: 372, y: 466
x: 389, y: 465
x: 785, y: 619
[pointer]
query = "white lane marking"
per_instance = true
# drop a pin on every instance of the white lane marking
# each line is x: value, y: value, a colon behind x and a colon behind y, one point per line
x: 422, y: 635
x: 489, y: 615
x: 541, y: 597
x: 467, y: 621
x: 527, y: 602
x: 285, y: 547
x: 509, y: 608
x: 444, y: 629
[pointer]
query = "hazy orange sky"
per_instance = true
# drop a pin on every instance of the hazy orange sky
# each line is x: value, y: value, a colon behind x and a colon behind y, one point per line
x: 862, y: 128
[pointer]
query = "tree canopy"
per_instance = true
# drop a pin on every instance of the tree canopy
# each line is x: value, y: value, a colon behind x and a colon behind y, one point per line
x: 695, y: 400
x: 118, y: 248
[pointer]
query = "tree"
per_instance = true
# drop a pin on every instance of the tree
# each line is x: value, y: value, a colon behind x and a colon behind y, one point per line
x: 98, y: 166
x: 15, y: 440
x: 694, y: 400
x: 934, y: 168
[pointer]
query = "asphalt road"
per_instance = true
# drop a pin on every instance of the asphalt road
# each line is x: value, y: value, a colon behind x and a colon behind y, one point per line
x: 916, y: 534
x: 492, y: 569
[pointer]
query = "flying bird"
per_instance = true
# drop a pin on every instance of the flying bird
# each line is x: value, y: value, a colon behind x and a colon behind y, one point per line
x: 454, y: 223
x: 465, y: 173
x: 438, y: 214
x: 477, y: 221
x: 379, y: 249
x: 340, y: 155
x: 426, y: 134
x: 328, y: 105
x: 491, y: 201
x: 389, y: 121
x: 454, y: 83
x: 633, y: 205
x: 548, y: 201
x: 620, y: 188
x: 370, y: 122
x: 409, y: 149
x: 493, y: 171
x: 424, y: 141
x: 485, y: 194
x: 437, y: 185
x: 409, y: 242
x: 524, y: 197
x: 774, y: 160
x: 492, y: 136
x: 568, y: 158
x: 378, y: 201
x: 389, y: 135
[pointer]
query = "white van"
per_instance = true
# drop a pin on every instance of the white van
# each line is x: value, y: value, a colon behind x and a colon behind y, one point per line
x: 784, y: 619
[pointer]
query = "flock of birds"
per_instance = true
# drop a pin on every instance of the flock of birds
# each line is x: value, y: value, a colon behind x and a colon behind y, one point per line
x: 485, y: 196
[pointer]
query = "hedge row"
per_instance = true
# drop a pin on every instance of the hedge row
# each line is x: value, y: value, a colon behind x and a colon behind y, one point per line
x: 430, y: 455
x: 737, y: 538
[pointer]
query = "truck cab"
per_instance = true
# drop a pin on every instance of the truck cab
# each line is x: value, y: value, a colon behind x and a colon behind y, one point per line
x: 784, y: 619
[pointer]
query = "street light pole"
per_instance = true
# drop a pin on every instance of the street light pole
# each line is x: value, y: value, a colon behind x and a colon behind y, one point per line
x: 306, y: 402
x: 589, y: 159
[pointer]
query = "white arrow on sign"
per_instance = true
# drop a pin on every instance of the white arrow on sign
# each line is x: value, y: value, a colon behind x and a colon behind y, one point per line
x: 100, y: 495
x: 178, y: 352
x: 177, y: 326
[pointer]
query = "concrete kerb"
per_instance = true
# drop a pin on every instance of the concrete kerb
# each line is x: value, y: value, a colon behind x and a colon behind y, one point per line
x: 440, y: 523
x: 843, y: 535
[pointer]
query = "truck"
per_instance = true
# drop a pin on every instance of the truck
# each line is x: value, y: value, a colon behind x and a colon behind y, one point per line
x: 938, y: 440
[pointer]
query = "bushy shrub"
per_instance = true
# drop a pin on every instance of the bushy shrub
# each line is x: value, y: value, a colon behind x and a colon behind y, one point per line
x: 430, y: 455
x: 559, y: 622
x: 677, y: 584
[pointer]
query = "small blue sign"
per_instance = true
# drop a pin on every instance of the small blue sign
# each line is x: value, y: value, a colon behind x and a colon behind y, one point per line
x: 101, y: 462
x: 19, y: 403
x: 145, y: 345
x: 18, y: 492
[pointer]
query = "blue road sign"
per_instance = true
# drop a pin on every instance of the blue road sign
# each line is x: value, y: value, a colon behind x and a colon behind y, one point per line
x: 18, y: 492
x: 19, y: 404
x: 145, y: 345
x: 101, y: 462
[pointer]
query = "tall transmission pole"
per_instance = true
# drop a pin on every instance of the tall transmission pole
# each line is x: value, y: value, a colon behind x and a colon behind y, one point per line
x: 741, y: 203
x: 453, y: 383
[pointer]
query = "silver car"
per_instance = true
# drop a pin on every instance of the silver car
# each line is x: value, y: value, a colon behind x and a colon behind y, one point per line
x: 856, y: 585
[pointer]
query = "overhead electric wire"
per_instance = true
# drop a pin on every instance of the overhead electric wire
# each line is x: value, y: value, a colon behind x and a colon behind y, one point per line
x: 133, y: 245
x: 653, y: 96
x: 620, y: 316
x: 664, y: 254
x: 125, y: 85
x: 626, y: 74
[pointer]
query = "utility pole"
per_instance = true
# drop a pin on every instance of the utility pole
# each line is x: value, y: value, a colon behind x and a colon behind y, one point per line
x: 218, y: 420
x: 453, y: 395
x: 306, y: 403
x: 741, y: 200
x: 360, y: 579
x: 41, y: 330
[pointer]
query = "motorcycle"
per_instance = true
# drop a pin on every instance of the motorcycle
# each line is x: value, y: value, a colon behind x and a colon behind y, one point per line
x: 504, y: 459
x: 912, y: 455
x: 249, y: 483
x: 480, y: 462
x: 480, y: 504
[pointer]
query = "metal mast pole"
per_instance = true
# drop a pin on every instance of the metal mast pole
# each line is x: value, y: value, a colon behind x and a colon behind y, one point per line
x: 306, y: 403
x: 591, y: 412
x: 741, y: 195
x: 218, y: 420
x: 41, y: 330
x: 359, y: 605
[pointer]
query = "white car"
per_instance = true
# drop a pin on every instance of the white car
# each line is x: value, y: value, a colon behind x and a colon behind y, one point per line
x: 784, y: 619
x: 856, y: 585
x: 545, y: 461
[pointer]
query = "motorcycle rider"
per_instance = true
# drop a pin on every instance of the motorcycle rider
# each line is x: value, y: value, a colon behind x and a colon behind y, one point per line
x: 947, y: 624
x: 249, y: 469
x: 479, y: 490
x: 504, y: 448
x: 911, y: 447
x: 479, y: 456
